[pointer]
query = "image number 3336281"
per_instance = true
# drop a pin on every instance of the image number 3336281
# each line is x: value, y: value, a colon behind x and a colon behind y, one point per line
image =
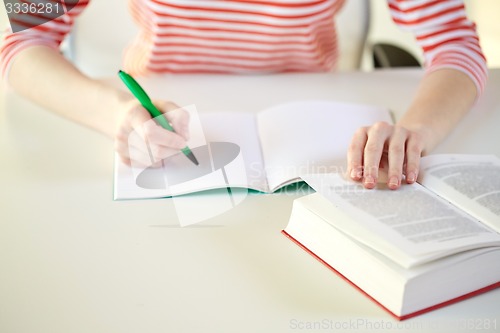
x: 25, y: 15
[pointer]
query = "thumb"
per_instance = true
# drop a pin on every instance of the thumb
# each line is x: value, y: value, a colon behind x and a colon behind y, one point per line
x: 179, y: 119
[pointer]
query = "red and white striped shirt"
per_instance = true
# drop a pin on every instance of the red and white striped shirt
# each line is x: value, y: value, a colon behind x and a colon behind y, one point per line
x: 262, y: 36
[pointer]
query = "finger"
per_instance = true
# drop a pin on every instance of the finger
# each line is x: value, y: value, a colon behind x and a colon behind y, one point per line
x: 179, y: 118
x: 414, y: 147
x: 176, y: 116
x: 148, y: 138
x: 132, y: 155
x: 137, y: 153
x: 166, y: 106
x: 139, y: 139
x: 396, y: 157
x: 126, y: 135
x: 159, y: 152
x: 150, y: 131
x: 138, y: 117
x: 157, y: 135
x: 355, y: 154
x: 377, y: 137
x: 141, y: 153
x: 162, y: 143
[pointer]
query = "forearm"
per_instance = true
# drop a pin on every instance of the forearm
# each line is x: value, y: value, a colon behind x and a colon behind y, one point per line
x: 441, y: 101
x: 44, y: 76
x: 47, y: 78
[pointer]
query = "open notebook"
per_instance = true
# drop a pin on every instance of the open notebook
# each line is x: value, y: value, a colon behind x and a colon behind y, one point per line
x: 262, y: 151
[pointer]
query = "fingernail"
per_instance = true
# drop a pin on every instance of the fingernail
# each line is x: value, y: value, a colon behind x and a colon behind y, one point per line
x: 411, y: 177
x: 393, y: 182
x: 369, y: 180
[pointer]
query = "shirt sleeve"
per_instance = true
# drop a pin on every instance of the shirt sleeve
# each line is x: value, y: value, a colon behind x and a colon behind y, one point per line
x: 50, y: 34
x: 445, y: 34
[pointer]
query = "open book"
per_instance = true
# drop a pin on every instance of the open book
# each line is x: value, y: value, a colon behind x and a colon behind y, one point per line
x: 412, y: 250
x: 263, y: 151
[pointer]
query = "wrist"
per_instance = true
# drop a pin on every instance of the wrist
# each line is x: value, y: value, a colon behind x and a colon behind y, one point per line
x: 113, y: 106
x: 426, y: 133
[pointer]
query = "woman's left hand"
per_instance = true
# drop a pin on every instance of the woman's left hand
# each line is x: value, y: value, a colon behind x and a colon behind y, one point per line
x: 384, y: 147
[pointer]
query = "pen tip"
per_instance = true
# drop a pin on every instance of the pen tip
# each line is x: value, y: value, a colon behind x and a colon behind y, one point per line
x: 192, y: 158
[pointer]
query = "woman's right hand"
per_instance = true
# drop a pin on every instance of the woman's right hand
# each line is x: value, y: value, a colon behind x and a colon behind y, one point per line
x: 141, y: 142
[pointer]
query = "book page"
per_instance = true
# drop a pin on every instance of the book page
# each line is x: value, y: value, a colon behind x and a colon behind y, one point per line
x: 240, y: 129
x: 471, y: 182
x: 227, y: 148
x: 412, y: 219
x: 310, y: 137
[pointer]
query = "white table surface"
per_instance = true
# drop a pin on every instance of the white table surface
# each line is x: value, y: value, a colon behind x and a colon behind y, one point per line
x: 74, y: 260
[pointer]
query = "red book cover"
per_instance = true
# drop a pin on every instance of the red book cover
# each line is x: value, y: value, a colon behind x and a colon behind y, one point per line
x: 407, y: 316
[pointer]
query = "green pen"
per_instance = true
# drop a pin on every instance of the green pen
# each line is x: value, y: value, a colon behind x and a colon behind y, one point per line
x: 146, y: 102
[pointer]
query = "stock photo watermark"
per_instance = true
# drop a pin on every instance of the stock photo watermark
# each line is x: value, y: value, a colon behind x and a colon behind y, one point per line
x: 26, y: 14
x: 220, y: 169
x: 370, y: 324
